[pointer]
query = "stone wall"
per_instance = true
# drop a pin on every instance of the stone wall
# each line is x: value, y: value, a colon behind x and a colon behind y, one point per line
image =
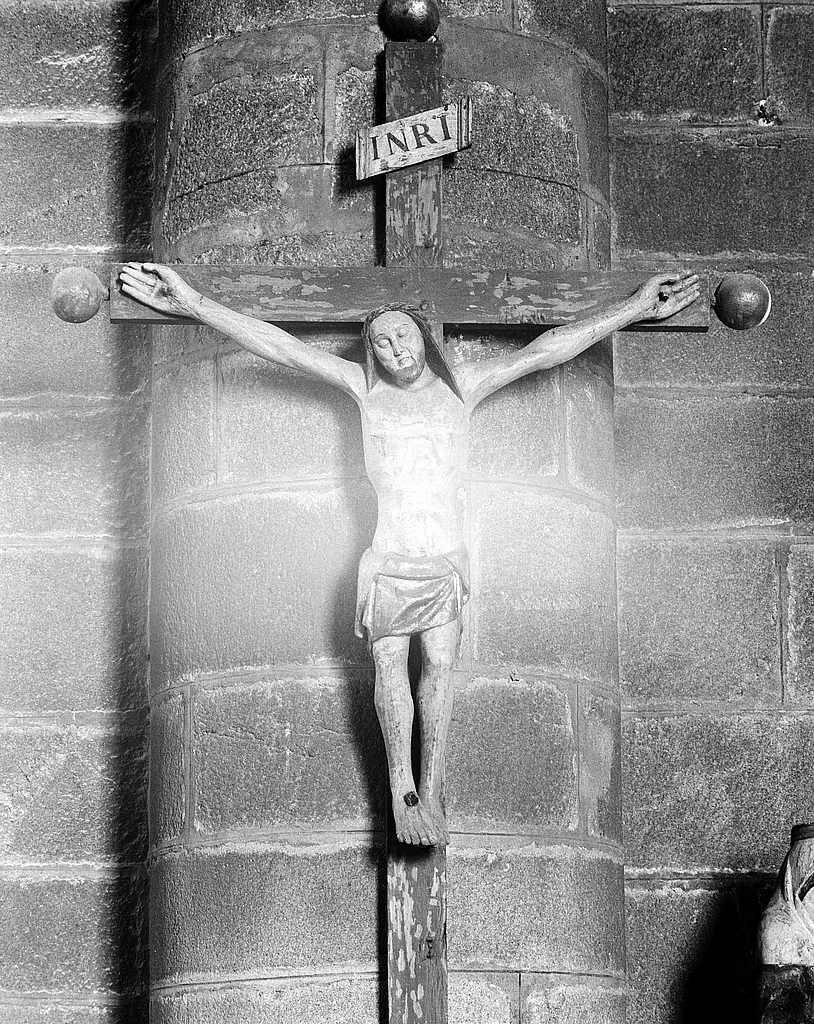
x: 74, y: 449
x: 711, y: 155
x: 711, y: 126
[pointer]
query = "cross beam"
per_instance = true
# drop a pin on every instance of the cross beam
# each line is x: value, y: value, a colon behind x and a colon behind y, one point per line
x: 337, y: 295
x: 416, y: 877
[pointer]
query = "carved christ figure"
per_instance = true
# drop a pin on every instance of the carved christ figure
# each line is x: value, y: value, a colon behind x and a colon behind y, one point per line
x: 413, y: 579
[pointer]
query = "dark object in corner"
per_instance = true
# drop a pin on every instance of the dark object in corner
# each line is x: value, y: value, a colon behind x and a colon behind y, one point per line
x: 786, y: 938
x: 786, y: 995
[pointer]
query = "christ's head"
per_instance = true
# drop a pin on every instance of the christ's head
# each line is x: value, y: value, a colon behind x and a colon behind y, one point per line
x: 399, y: 343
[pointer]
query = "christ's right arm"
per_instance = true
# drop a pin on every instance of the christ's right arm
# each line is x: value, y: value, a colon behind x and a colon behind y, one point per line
x: 659, y: 297
x: 164, y: 290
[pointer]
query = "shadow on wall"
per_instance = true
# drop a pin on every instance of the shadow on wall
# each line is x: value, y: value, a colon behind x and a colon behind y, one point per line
x: 718, y: 986
x: 125, y: 929
x: 691, y: 954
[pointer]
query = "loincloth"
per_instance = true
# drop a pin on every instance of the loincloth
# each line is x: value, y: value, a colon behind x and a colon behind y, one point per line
x: 398, y: 595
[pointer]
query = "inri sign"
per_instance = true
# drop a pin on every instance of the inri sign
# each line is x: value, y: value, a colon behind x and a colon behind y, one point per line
x: 410, y: 140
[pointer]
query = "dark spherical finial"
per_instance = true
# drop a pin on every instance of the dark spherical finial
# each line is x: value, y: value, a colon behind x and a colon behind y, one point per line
x: 410, y: 19
x: 77, y: 295
x: 742, y: 301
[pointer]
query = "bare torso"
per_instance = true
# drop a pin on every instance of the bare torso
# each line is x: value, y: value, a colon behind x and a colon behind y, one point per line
x: 416, y: 444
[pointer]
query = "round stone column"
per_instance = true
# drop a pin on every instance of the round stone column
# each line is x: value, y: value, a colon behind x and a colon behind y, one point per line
x: 268, y: 772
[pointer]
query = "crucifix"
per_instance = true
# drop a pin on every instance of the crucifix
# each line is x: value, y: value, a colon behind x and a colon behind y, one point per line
x: 415, y: 409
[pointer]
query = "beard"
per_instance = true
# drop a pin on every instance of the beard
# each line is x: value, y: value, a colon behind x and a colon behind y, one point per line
x: 409, y: 372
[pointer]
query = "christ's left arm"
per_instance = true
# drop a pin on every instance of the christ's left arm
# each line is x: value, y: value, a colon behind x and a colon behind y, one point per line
x: 659, y: 297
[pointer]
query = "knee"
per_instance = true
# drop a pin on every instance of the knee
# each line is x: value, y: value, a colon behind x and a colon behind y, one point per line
x: 437, y: 663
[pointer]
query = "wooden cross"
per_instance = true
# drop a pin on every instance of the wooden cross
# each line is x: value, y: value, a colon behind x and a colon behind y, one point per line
x: 416, y: 876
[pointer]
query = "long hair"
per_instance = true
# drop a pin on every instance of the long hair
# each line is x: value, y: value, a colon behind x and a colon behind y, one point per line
x: 432, y: 352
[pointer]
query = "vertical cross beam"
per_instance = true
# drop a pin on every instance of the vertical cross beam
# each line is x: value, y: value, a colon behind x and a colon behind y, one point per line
x: 416, y: 876
x: 413, y: 231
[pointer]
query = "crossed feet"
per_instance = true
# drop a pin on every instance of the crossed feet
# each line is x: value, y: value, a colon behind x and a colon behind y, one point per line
x: 420, y: 822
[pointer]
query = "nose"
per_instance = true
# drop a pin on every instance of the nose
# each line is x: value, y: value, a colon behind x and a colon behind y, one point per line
x: 397, y: 347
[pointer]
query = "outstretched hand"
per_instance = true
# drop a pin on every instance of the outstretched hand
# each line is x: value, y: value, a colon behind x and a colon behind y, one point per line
x: 159, y: 288
x: 665, y: 294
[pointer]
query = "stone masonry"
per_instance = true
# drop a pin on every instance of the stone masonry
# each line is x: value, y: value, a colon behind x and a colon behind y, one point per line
x: 711, y: 125
x: 74, y: 520
x: 266, y: 796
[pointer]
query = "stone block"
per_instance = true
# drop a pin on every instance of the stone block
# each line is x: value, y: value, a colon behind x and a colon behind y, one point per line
x: 580, y: 24
x: 278, y: 424
x: 535, y: 908
x: 353, y: 244
x: 599, y: 237
x: 789, y: 39
x: 91, y: 653
x: 253, y: 197
x: 482, y: 997
x: 354, y: 108
x: 542, y: 73
x: 49, y: 1010
x: 497, y: 201
x: 74, y: 472
x: 257, y: 909
x: 519, y: 135
x: 700, y: 462
x: 353, y: 53
x: 250, y: 121
x: 512, y: 759
x: 698, y: 622
x: 691, y: 951
x: 79, y: 936
x: 715, y: 792
x: 776, y: 355
x: 589, y: 431
x: 515, y: 433
x: 42, y: 355
x: 477, y: 8
x: 192, y: 21
x: 593, y: 94
x: 287, y: 215
x: 690, y: 63
x: 705, y: 192
x: 258, y: 579
x: 799, y: 682
x: 183, y: 430
x: 288, y: 754
x: 600, y: 769
x: 471, y: 246
x: 77, y: 184
x: 183, y: 343
x: 543, y: 580
x: 72, y: 54
x: 72, y: 793
x: 168, y: 770
x: 335, y: 1000
x: 566, y: 999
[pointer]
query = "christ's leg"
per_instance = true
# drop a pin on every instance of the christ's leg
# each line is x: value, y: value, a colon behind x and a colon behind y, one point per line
x: 394, y: 706
x: 439, y: 647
